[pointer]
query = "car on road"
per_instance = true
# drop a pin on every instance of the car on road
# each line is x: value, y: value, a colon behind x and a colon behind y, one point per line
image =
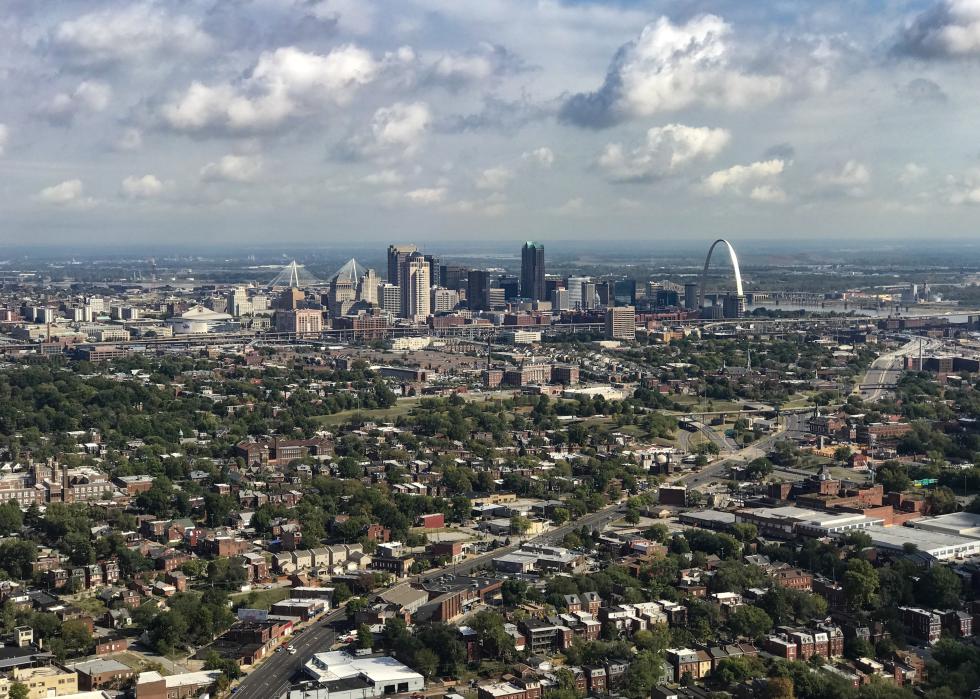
x: 292, y: 651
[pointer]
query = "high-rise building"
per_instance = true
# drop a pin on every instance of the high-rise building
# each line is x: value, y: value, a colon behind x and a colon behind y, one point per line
x: 396, y: 257
x: 532, y: 271
x: 415, y: 288
x: 666, y: 297
x: 367, y: 287
x: 433, y: 269
x: 589, y: 297
x: 606, y: 293
x: 511, y: 287
x: 621, y: 323
x: 452, y: 276
x: 559, y: 300
x: 291, y: 299
x: 302, y: 321
x: 443, y: 300
x: 625, y: 292
x: 574, y: 286
x: 733, y: 306
x: 238, y: 303
x: 390, y: 298
x: 691, y: 296
x: 478, y: 290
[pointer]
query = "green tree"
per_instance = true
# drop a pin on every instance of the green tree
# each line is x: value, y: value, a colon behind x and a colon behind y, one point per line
x: 426, y: 663
x: 365, y: 639
x: 861, y: 584
x: 749, y: 621
x: 939, y: 588
x: 19, y: 691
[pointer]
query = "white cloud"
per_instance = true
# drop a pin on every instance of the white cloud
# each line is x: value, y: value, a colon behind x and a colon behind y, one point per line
x: 383, y: 177
x: 67, y: 193
x: 89, y: 96
x: 754, y: 179
x: 4, y: 137
x: 671, y: 67
x: 965, y: 190
x: 285, y: 83
x: 912, y: 173
x: 666, y: 149
x: 145, y: 187
x: 543, y: 156
x: 128, y: 33
x: 233, y: 168
x: 401, y: 125
x: 456, y: 70
x: 426, y: 195
x: 948, y: 29
x: 852, y: 179
x: 494, y: 178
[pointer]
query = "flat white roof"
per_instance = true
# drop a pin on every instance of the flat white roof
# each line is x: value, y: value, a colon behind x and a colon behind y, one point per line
x: 935, y: 544
x: 960, y: 523
x: 338, y: 665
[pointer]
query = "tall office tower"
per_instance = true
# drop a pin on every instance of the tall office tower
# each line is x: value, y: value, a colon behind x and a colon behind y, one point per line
x: 452, y: 276
x: 303, y: 321
x: 559, y: 300
x: 496, y: 297
x: 390, y: 298
x: 434, y: 265
x: 532, y: 271
x: 691, y: 296
x: 666, y: 297
x: 552, y: 284
x: 443, y: 300
x: 625, y: 292
x: 511, y: 287
x: 589, y: 297
x: 238, y: 303
x: 291, y: 299
x: 733, y: 306
x: 606, y: 292
x: 367, y: 287
x: 396, y: 257
x: 415, y: 288
x: 574, y: 286
x: 478, y: 290
x: 621, y: 323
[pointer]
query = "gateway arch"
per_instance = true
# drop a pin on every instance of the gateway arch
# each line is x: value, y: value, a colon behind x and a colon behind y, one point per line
x: 704, y: 273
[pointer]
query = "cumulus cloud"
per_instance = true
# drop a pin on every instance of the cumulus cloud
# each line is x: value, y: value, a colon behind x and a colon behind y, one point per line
x: 949, y: 29
x: 458, y: 70
x: 494, y: 178
x: 426, y: 195
x: 89, y: 96
x: 571, y: 207
x: 4, y: 137
x: 965, y: 189
x: 666, y: 149
x: 284, y: 83
x: 67, y: 193
x: 542, y: 157
x: 350, y: 16
x: 668, y: 68
x: 145, y: 187
x: 851, y: 179
x: 396, y: 132
x: 127, y: 33
x: 755, y: 180
x: 233, y: 168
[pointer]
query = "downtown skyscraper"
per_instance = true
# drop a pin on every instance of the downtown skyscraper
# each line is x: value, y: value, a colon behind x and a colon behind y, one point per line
x: 532, y: 271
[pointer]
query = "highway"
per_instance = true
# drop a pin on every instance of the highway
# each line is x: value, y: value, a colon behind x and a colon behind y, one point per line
x: 884, y: 372
x: 273, y: 676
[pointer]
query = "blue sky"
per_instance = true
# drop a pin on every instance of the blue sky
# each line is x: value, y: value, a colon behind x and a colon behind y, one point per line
x: 330, y: 121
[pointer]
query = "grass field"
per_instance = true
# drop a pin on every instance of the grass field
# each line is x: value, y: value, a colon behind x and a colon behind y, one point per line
x: 261, y: 599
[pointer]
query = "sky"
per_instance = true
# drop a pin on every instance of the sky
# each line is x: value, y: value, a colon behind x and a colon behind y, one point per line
x: 330, y: 122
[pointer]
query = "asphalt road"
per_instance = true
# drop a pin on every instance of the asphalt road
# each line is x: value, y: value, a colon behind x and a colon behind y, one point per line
x: 883, y: 374
x: 275, y: 674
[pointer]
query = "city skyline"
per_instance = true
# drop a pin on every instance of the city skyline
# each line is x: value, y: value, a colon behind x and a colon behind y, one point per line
x: 322, y: 122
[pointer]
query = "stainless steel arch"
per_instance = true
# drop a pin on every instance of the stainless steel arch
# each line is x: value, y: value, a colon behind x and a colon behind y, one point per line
x: 707, y: 262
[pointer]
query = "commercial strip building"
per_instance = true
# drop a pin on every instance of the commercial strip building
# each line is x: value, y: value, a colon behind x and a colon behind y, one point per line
x: 788, y: 521
x: 339, y: 675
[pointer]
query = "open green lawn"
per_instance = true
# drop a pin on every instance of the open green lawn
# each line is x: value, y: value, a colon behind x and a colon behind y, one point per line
x: 91, y: 605
x: 261, y: 599
x: 403, y: 407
